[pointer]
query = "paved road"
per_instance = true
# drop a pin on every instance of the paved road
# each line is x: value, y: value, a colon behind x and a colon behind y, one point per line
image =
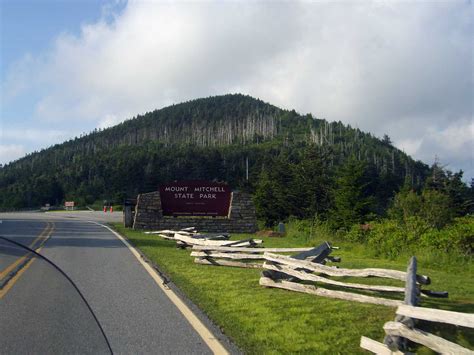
x: 41, y: 312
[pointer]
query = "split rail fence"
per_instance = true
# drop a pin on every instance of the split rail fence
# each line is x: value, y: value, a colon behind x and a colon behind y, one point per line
x: 189, y: 237
x: 309, y: 265
x: 287, y: 273
x: 405, y: 331
x: 253, y: 257
x: 402, y: 330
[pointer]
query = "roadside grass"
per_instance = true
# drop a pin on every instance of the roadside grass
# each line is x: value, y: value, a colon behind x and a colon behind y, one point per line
x: 274, y: 321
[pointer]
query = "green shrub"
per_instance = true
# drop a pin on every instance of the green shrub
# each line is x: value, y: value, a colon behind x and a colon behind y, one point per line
x: 387, y: 238
x: 458, y: 237
x: 390, y: 238
x: 358, y: 233
x: 433, y: 207
x: 321, y: 230
x: 436, y: 208
x: 313, y: 231
x: 405, y: 204
x: 299, y: 228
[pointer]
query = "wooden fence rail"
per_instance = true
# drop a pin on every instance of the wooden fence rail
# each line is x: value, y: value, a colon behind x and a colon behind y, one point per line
x: 402, y: 330
x: 190, y: 241
x: 429, y: 340
x: 331, y: 271
x: 238, y: 256
x: 302, y: 275
x: 434, y: 342
x: 318, y: 291
x: 189, y: 237
x: 287, y: 272
x: 226, y: 249
x: 437, y: 315
x: 377, y: 348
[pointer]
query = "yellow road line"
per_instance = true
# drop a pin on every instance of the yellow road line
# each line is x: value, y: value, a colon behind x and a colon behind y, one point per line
x: 17, y: 276
x: 9, y: 268
x: 212, y: 342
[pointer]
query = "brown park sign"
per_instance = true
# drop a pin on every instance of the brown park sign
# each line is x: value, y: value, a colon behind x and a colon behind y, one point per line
x: 195, y: 198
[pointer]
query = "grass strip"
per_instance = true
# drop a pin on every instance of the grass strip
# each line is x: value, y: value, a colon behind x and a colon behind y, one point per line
x: 274, y: 321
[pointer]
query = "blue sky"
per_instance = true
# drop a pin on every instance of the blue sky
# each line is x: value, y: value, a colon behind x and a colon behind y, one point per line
x: 400, y: 68
x: 30, y: 26
x: 29, y: 29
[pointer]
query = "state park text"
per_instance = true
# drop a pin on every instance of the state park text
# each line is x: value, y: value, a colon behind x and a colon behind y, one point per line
x: 188, y: 192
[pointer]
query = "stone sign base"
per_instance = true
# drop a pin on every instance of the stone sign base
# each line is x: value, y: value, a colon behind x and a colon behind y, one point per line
x: 149, y: 215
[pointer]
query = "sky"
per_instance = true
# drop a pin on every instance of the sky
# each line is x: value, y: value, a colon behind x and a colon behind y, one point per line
x: 402, y: 68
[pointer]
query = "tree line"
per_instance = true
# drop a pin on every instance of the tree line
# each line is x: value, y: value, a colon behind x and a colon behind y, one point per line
x: 298, y: 165
x: 355, y: 192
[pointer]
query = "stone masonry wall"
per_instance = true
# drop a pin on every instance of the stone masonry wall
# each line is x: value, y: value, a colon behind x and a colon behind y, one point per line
x: 149, y: 215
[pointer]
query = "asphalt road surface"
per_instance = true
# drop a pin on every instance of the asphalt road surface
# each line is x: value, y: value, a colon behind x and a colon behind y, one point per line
x: 40, y: 312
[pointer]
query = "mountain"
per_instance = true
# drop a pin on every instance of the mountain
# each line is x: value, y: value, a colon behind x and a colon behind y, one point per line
x: 211, y: 138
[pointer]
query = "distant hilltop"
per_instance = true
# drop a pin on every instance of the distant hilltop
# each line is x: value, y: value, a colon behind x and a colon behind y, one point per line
x: 223, y: 138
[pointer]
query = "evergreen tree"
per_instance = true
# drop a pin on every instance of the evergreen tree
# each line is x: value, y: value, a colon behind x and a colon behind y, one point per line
x: 351, y: 202
x: 265, y: 199
x: 312, y: 183
x: 458, y: 192
x: 386, y: 140
x: 437, y: 177
x: 431, y: 206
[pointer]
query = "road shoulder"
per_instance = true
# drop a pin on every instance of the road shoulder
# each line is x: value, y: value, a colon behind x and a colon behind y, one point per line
x: 209, y: 332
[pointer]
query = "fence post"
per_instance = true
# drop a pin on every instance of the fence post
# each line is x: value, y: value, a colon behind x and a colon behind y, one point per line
x: 411, y: 299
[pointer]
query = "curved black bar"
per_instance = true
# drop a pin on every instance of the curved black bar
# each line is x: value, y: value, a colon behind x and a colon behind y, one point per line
x: 67, y: 277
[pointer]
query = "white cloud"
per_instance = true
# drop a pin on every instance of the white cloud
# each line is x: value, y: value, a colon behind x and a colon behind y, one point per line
x: 399, y: 68
x: 10, y: 152
x: 18, y: 79
x: 48, y: 136
x: 456, y: 137
x: 109, y: 121
x: 409, y: 146
x: 453, y: 145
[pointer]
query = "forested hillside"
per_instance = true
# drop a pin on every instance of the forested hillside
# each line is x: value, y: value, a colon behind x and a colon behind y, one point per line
x: 298, y: 156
